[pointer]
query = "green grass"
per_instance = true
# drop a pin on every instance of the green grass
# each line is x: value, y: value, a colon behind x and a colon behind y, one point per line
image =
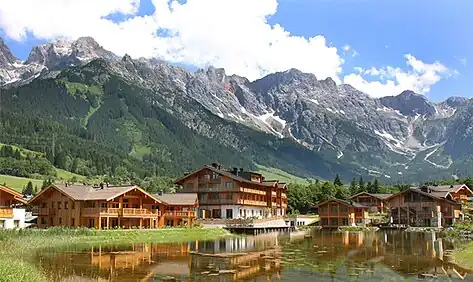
x: 464, y: 256
x: 66, y: 175
x: 24, y: 152
x: 139, y: 151
x: 271, y: 173
x: 18, y: 183
x: 18, y: 248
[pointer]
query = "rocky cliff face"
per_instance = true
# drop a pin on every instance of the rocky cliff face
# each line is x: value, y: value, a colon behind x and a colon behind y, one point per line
x: 392, y: 137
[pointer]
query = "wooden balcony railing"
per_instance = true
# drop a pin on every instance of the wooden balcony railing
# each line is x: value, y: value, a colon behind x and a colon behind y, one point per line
x: 179, y: 214
x: 43, y: 211
x: 253, y: 191
x: 124, y: 212
x: 218, y: 202
x: 254, y: 203
x: 6, y: 212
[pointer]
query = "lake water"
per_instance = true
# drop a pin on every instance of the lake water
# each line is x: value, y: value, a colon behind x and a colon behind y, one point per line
x: 326, y: 256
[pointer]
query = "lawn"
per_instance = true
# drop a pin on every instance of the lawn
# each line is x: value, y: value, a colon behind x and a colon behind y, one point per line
x: 18, y: 183
x: 271, y: 173
x: 17, y: 248
x: 66, y: 175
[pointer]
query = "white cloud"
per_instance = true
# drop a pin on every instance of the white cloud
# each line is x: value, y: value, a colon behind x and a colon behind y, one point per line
x: 349, y: 50
x: 390, y: 81
x: 233, y: 34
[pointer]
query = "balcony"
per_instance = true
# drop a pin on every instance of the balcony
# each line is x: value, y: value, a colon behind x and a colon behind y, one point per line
x: 125, y: 212
x: 179, y: 214
x: 43, y: 211
x: 253, y: 191
x: 253, y: 203
x: 6, y: 213
x: 218, y: 202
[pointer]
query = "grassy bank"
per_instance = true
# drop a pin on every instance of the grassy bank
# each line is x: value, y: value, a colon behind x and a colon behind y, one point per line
x: 18, y: 247
x: 464, y: 256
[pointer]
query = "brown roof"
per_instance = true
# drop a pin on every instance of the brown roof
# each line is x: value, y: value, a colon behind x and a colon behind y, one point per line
x: 227, y: 174
x: 18, y: 196
x: 282, y: 185
x: 449, y: 188
x: 183, y: 199
x: 348, y: 203
x: 433, y: 195
x: 88, y: 193
x: 376, y: 195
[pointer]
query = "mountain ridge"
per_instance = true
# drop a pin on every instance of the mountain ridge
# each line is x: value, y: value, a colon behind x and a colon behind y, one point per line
x: 377, y: 137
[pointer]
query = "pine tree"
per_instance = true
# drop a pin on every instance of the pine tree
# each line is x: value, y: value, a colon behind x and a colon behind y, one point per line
x: 375, y: 188
x: 353, y: 187
x: 369, y: 187
x: 361, y: 185
x: 28, y: 189
x: 35, y: 190
x: 337, y: 181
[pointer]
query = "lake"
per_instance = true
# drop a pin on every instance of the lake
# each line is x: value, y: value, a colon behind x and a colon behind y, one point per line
x: 325, y: 256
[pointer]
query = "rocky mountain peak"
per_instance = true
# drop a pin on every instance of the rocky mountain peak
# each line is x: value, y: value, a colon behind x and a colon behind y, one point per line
x: 455, y: 102
x: 6, y: 56
x: 409, y: 103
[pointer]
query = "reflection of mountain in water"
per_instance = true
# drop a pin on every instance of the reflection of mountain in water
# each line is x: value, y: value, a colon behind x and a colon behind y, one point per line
x: 327, y: 256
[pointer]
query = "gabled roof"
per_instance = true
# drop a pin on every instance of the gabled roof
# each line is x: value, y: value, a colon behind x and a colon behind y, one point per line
x: 182, y: 199
x: 282, y: 185
x: 227, y: 174
x: 433, y: 195
x: 89, y: 193
x: 375, y: 195
x: 16, y: 195
x: 449, y: 188
x: 348, y: 203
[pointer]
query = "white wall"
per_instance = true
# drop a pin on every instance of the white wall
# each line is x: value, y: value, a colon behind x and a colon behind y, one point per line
x: 18, y: 215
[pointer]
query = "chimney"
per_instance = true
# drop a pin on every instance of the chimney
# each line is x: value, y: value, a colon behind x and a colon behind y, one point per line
x: 66, y: 184
x: 101, y: 185
x: 235, y: 171
x: 215, y: 165
x: 451, y: 186
x: 241, y: 169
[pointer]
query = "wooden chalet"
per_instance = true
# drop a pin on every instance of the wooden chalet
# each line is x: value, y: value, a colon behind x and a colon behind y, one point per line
x: 11, y: 213
x: 424, y: 207
x: 375, y: 202
x: 103, y: 207
x: 231, y: 194
x: 334, y: 213
x: 460, y: 192
x: 180, y: 206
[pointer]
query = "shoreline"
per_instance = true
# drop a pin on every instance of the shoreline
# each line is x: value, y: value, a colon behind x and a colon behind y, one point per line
x: 18, y: 247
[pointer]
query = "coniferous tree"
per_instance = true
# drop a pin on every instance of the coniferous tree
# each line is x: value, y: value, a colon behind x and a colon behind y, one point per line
x: 353, y: 187
x: 28, y: 189
x: 337, y: 181
x: 375, y: 187
x: 361, y: 185
x: 369, y: 187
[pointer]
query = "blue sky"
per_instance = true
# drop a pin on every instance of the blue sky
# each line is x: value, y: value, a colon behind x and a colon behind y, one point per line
x: 381, y: 32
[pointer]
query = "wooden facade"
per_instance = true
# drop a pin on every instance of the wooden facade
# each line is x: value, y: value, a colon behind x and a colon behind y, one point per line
x: 424, y: 207
x: 235, y: 193
x: 375, y: 202
x: 11, y: 214
x: 335, y: 213
x: 460, y: 193
x: 102, y: 208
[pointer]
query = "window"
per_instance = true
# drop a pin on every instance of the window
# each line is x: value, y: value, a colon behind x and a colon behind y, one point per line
x: 343, y: 209
x: 334, y: 208
x: 115, y: 205
x: 58, y: 205
x: 66, y: 205
x: 43, y: 220
x: 73, y: 205
x: 135, y: 206
x: 229, y: 213
x: 44, y: 205
x: 16, y: 223
x: 60, y: 220
x: 52, y: 205
x: 2, y: 224
x: 103, y: 205
x: 229, y: 185
x: 73, y: 222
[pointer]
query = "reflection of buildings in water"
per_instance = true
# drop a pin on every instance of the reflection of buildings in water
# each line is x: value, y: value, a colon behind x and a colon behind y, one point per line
x: 404, y: 252
x: 142, y: 262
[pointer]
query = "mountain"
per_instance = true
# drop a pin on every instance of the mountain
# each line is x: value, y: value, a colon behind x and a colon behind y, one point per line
x: 166, y: 116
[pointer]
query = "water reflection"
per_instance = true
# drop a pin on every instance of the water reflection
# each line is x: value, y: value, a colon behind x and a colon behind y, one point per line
x: 326, y: 256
